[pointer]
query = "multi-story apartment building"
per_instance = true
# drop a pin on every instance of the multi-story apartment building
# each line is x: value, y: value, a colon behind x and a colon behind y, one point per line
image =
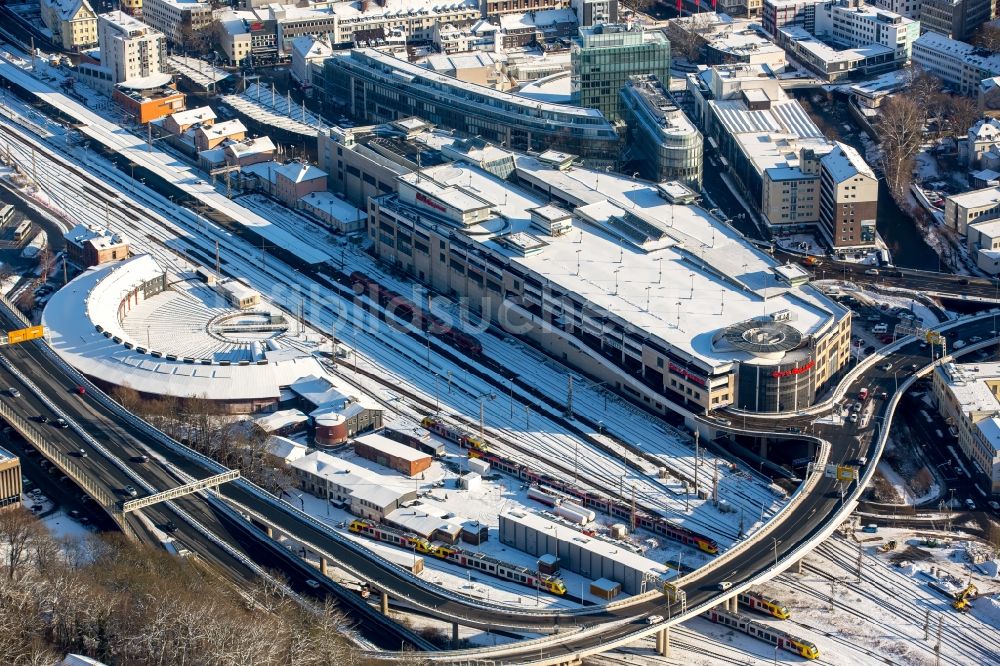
x: 131, y: 50
x: 957, y: 19
x: 606, y: 274
x: 665, y: 143
x: 177, y: 19
x: 967, y: 397
x: 603, y: 58
x: 377, y: 88
x: 848, y: 198
x: 781, y: 160
x: 961, y: 66
x: 73, y: 23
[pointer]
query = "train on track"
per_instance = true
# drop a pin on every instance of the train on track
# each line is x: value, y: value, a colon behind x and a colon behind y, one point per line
x: 463, y: 558
x: 408, y: 311
x: 758, y: 602
x: 768, y: 634
x: 462, y: 438
x: 622, y: 510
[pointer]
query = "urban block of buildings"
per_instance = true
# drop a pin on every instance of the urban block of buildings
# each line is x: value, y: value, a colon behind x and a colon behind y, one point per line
x: 967, y: 396
x: 796, y: 177
x: 673, y: 331
x: 975, y: 215
x: 841, y: 38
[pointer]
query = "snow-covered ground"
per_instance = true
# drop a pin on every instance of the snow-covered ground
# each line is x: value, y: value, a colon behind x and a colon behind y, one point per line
x: 891, y: 617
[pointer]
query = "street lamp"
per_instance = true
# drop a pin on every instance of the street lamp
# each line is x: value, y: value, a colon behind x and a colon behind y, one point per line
x: 776, y: 542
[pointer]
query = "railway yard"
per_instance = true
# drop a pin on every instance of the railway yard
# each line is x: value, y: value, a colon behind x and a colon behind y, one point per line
x: 549, y: 442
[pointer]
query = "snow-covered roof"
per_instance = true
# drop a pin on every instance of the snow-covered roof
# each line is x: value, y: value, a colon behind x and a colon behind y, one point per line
x: 334, y: 206
x: 989, y: 430
x: 424, y: 520
x: 986, y: 197
x: 401, y: 9
x: 962, y: 51
x: 360, y: 482
x: 191, y: 116
x: 391, y: 447
x: 987, y: 129
x: 223, y: 129
x: 844, y: 162
x: 537, y: 19
x: 261, y: 144
x: 97, y: 237
x: 967, y: 384
x: 296, y: 172
x: 73, y: 314
x: 310, y: 48
x: 68, y: 9
x: 667, y: 285
x: 565, y: 533
x: 286, y: 449
x: 280, y: 419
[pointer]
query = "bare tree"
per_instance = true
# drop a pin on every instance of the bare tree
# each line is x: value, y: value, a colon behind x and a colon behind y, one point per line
x: 18, y: 532
x: 963, y: 113
x: 987, y: 37
x: 901, y: 129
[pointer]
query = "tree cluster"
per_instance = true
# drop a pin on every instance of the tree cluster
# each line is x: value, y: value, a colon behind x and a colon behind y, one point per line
x: 206, y: 428
x: 126, y: 604
x: 905, y: 118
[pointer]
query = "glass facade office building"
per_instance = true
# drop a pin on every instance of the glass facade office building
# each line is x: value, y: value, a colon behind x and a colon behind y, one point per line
x: 605, y: 56
x: 666, y: 145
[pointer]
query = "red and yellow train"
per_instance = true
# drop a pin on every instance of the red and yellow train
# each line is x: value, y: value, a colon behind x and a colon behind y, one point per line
x: 461, y: 557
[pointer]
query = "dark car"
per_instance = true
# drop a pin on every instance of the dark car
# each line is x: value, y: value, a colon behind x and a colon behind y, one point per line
x: 169, y: 527
x: 42, y: 418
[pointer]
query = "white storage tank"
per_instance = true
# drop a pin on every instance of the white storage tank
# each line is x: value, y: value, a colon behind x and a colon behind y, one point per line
x: 543, y: 497
x: 572, y: 515
x: 591, y: 516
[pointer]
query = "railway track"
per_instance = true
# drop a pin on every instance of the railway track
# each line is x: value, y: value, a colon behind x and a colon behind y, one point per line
x: 186, y: 244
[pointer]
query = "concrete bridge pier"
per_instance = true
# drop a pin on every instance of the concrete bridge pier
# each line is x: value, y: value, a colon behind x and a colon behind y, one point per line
x: 734, y: 605
x: 322, y: 565
x: 454, y: 634
x: 663, y: 642
x: 385, y: 603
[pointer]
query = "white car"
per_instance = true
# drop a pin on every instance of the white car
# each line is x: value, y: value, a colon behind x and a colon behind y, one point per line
x: 312, y: 583
x: 725, y: 585
x: 14, y: 393
x: 654, y: 619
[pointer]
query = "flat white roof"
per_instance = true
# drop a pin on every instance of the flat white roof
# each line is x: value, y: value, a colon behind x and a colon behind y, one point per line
x: 73, y: 313
x: 392, y: 447
x: 699, y: 276
x: 984, y: 198
x: 990, y: 430
x: 362, y: 483
x: 967, y: 384
x: 599, y: 547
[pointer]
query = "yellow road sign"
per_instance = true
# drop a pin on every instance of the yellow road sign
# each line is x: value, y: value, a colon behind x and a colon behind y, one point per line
x: 25, y: 334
